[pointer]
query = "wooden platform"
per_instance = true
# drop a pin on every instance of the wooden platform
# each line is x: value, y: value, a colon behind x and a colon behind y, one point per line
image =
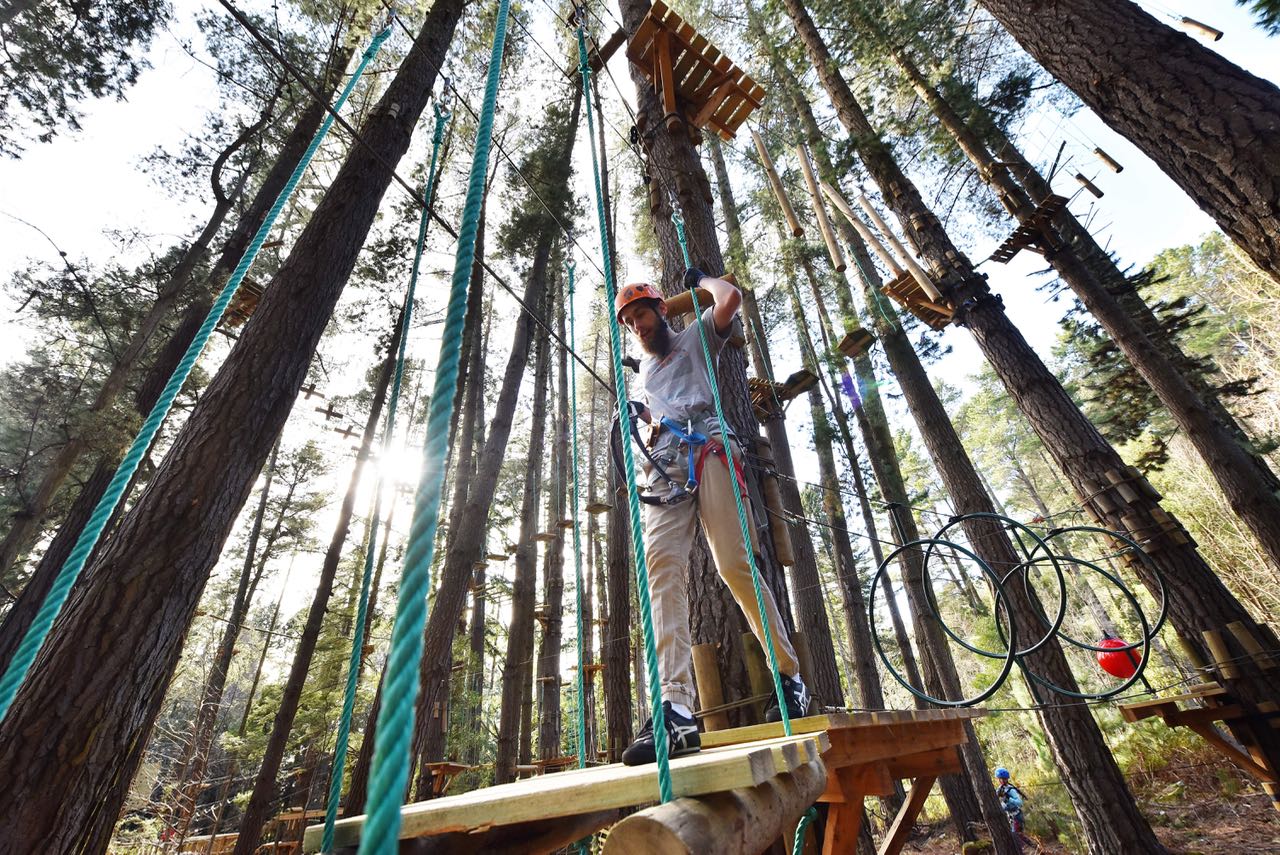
x: 767, y: 398
x: 695, y: 82
x: 1198, y: 710
x: 904, y: 289
x: 243, y: 304
x: 596, y: 795
x: 1032, y: 233
x: 856, y: 342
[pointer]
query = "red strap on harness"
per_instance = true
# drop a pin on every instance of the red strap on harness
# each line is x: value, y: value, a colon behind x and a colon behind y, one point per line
x: 716, y: 447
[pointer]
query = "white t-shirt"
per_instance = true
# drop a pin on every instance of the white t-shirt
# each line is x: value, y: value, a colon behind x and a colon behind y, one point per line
x: 677, y: 385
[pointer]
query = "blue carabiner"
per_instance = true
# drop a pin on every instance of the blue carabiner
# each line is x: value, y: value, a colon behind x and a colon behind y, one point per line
x: 691, y: 438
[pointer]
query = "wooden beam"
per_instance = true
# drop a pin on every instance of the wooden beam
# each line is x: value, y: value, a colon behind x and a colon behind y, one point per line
x: 666, y: 81
x: 844, y: 818
x: 820, y: 211
x: 901, y: 829
x: 938, y: 762
x: 917, y: 272
x: 868, y: 237
x: 779, y: 192
x: 745, y: 820
x: 1235, y: 755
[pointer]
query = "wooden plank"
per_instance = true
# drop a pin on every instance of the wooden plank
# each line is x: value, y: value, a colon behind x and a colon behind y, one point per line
x: 581, y: 791
x: 853, y: 747
x: 901, y: 829
x: 833, y: 722
x: 938, y: 762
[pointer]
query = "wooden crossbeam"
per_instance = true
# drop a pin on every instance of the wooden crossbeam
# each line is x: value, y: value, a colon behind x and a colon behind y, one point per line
x: 900, y: 830
x: 576, y: 792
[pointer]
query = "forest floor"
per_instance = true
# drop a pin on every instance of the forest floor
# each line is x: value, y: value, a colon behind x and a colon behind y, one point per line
x: 1207, y: 809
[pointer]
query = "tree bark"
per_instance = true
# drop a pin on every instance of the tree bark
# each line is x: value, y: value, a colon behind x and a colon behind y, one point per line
x: 264, y: 787
x: 676, y: 171
x: 1213, y: 127
x: 143, y: 588
x: 811, y: 611
x: 1111, y: 823
x: 548, y: 670
x: 215, y: 682
x: 518, y: 666
x: 1247, y: 482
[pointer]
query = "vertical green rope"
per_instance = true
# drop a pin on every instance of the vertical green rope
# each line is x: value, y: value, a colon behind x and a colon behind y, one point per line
x: 362, y: 609
x: 577, y: 539
x: 583, y: 846
x: 628, y: 459
x: 391, y: 758
x: 116, y: 490
x: 678, y: 221
x: 809, y: 816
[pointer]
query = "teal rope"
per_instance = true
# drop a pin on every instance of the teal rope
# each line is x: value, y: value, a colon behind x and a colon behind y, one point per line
x: 115, y: 493
x: 391, y: 758
x: 678, y: 221
x: 809, y: 816
x: 583, y: 845
x: 665, y: 789
x: 362, y: 609
x: 577, y: 541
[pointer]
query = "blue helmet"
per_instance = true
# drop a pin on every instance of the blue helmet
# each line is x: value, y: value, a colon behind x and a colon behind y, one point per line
x: 1002, y: 773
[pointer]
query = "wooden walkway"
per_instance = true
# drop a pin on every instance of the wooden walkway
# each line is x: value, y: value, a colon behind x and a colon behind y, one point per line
x: 855, y: 754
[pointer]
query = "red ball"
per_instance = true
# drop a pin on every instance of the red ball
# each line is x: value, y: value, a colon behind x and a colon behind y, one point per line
x: 1118, y: 662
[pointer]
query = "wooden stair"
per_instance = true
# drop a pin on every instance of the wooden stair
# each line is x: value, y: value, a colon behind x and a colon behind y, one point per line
x: 1033, y: 233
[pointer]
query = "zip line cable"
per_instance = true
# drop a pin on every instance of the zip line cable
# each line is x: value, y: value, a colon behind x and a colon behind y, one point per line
x: 42, y: 623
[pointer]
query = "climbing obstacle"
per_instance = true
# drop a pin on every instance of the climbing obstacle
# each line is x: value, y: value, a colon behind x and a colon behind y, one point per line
x: 1199, y: 709
x: 856, y: 342
x: 768, y: 397
x: 697, y: 85
x: 243, y: 304
x: 546, y: 812
x: 906, y: 290
x: 1033, y: 233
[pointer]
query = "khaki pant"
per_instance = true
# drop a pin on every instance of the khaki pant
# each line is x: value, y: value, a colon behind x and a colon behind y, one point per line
x: 668, y: 537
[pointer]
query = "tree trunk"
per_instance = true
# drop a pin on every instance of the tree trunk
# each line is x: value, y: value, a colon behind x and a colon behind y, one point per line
x: 1213, y: 127
x: 211, y: 698
x: 1112, y: 821
x: 714, y: 616
x: 264, y: 788
x: 467, y: 529
x: 26, y: 526
x: 65, y: 785
x: 548, y: 671
x: 518, y: 664
x: 811, y: 611
x: 615, y: 629
x: 1249, y: 485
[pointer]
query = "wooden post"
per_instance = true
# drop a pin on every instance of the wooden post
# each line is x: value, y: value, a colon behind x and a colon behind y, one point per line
x: 1110, y: 161
x: 780, y: 193
x: 917, y: 272
x: 1089, y: 185
x: 800, y: 641
x: 758, y: 673
x: 1221, y: 654
x: 820, y: 211
x: 706, y: 673
x: 746, y: 820
x: 898, y: 833
x: 868, y: 236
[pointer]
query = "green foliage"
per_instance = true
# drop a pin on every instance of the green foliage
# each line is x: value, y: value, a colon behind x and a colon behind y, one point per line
x: 1267, y: 12
x: 56, y: 54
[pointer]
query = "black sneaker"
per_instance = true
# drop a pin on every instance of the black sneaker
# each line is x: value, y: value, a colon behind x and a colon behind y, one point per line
x: 682, y: 738
x: 798, y: 698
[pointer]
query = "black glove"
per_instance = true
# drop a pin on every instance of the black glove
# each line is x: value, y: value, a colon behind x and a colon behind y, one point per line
x: 692, y: 277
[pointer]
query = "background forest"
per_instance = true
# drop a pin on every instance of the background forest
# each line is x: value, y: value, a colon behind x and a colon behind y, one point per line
x: 143, y: 144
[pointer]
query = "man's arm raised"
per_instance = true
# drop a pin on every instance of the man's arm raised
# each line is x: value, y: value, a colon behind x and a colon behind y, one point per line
x: 726, y: 296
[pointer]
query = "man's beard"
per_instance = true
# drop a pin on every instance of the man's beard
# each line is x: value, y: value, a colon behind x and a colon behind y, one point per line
x: 659, y: 344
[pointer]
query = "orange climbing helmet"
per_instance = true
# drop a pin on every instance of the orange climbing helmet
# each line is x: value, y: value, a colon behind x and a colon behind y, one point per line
x: 631, y: 293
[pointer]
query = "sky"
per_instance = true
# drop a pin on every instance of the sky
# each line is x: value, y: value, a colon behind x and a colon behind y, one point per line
x: 70, y: 195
